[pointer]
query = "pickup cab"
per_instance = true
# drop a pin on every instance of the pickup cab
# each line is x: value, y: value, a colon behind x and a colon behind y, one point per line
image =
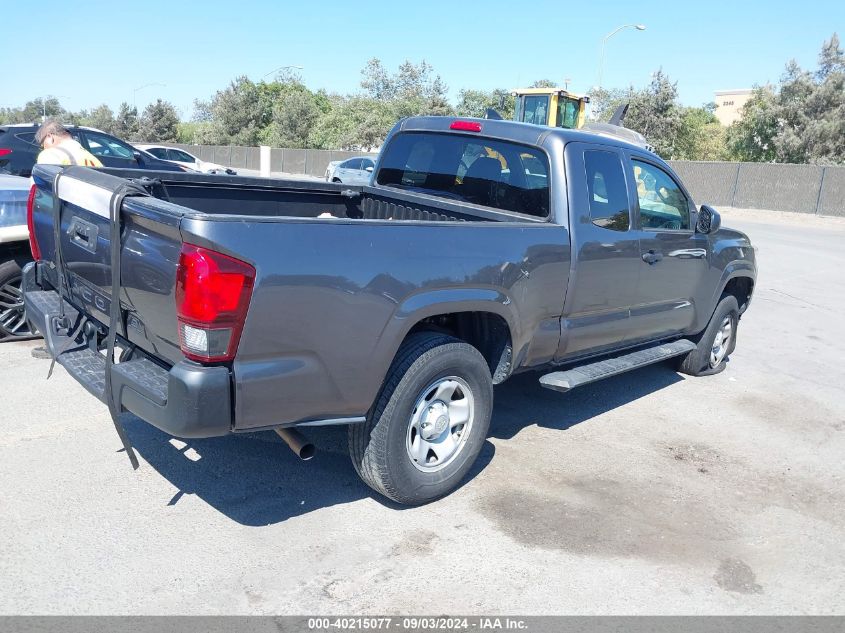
x: 211, y: 305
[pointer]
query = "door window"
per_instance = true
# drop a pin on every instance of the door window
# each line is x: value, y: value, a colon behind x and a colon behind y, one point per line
x: 102, y: 145
x: 568, y: 110
x: 158, y: 152
x: 177, y: 154
x: 662, y: 203
x: 606, y: 190
x: 352, y: 163
x: 536, y: 109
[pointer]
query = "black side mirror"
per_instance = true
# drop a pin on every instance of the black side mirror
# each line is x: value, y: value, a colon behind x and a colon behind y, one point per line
x: 709, y: 220
x: 138, y: 157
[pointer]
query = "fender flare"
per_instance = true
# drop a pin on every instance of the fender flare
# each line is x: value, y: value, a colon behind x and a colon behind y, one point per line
x: 430, y: 303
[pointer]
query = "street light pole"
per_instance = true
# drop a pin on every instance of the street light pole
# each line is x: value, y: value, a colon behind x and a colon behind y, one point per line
x: 281, y: 68
x: 639, y: 27
x: 135, y: 93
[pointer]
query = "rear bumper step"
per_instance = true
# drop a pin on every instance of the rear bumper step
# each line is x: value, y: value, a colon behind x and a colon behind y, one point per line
x: 188, y: 400
x: 584, y: 374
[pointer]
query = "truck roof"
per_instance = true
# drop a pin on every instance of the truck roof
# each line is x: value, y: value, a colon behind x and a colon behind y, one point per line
x: 527, y: 133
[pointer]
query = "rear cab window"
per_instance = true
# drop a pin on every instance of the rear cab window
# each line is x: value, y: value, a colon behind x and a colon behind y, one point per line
x: 491, y: 173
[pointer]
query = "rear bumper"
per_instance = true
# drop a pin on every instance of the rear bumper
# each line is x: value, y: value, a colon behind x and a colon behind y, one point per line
x: 188, y: 400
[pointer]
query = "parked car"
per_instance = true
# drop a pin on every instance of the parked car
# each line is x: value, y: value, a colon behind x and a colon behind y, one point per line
x: 482, y: 248
x: 19, y: 151
x: 181, y: 157
x: 14, y: 255
x: 352, y: 171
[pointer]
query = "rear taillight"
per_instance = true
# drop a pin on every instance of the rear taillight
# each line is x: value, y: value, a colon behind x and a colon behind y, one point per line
x: 5, y: 151
x: 212, y: 297
x: 30, y: 224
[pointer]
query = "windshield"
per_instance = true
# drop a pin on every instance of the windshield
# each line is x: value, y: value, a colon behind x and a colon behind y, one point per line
x: 487, y: 172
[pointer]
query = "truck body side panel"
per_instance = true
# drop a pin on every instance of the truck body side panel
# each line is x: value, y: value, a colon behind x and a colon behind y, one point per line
x: 333, y: 300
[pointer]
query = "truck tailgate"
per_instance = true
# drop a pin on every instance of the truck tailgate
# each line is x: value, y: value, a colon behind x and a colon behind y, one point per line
x: 149, y: 257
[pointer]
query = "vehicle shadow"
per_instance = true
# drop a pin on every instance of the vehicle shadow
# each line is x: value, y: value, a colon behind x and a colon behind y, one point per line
x: 254, y: 478
x: 522, y: 402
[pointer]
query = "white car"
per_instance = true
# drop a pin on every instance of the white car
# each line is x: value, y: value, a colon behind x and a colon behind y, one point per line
x: 352, y: 171
x: 183, y: 158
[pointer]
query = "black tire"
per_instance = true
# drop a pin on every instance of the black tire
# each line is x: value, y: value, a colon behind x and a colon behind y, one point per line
x: 379, y: 448
x: 337, y: 180
x: 700, y: 361
x: 13, y: 323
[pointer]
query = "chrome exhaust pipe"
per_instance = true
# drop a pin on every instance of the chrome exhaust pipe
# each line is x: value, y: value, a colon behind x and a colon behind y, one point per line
x: 298, y: 444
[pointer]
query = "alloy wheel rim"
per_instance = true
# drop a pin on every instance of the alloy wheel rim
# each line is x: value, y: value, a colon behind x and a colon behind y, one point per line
x: 12, y: 315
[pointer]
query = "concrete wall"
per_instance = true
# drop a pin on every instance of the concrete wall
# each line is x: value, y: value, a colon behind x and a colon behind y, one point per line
x: 799, y: 188
x: 312, y: 162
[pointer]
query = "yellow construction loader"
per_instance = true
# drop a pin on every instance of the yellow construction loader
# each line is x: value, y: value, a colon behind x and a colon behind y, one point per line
x: 555, y: 107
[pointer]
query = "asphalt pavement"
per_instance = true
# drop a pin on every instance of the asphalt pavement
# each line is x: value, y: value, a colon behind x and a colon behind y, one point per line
x: 650, y: 492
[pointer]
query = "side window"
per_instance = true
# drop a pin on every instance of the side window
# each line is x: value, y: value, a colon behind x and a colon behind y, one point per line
x: 158, y: 152
x: 181, y: 156
x: 567, y: 112
x: 606, y: 190
x: 101, y: 145
x: 367, y: 163
x: 662, y: 203
x: 352, y: 163
x: 536, y: 109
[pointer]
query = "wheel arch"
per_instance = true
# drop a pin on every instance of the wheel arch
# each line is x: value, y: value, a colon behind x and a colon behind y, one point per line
x: 484, y: 318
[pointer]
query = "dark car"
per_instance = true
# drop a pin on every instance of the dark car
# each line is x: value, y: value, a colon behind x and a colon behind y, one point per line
x: 19, y: 151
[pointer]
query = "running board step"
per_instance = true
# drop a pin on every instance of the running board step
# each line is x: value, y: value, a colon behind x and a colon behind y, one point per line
x: 584, y: 374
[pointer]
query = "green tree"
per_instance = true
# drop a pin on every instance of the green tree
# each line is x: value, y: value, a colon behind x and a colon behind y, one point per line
x: 701, y: 136
x: 354, y: 123
x: 475, y: 103
x: 801, y: 120
x: 239, y: 113
x: 159, y: 122
x: 126, y: 123
x: 413, y: 90
x: 100, y: 117
x: 294, y: 115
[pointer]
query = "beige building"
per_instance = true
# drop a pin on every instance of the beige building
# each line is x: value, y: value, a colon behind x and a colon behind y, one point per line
x: 729, y: 104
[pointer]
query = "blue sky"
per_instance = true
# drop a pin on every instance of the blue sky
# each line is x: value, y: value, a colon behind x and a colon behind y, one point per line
x: 101, y: 51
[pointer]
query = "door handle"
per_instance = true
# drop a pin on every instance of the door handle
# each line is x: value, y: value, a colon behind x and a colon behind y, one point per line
x: 652, y: 257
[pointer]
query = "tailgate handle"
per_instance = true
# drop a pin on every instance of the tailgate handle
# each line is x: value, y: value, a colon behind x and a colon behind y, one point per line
x: 83, y: 234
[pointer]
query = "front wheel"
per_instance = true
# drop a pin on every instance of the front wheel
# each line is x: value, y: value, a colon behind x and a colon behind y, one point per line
x: 429, y: 422
x: 715, y: 344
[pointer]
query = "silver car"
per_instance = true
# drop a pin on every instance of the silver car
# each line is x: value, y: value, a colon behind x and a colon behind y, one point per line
x: 352, y: 171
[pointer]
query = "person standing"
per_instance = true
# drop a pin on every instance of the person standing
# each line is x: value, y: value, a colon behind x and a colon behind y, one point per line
x: 60, y: 148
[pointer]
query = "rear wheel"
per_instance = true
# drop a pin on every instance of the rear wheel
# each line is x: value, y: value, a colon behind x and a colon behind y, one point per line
x: 429, y: 422
x: 715, y: 343
x: 13, y: 323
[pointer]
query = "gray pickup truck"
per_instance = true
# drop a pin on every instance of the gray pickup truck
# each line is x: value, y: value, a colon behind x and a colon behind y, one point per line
x: 481, y: 249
